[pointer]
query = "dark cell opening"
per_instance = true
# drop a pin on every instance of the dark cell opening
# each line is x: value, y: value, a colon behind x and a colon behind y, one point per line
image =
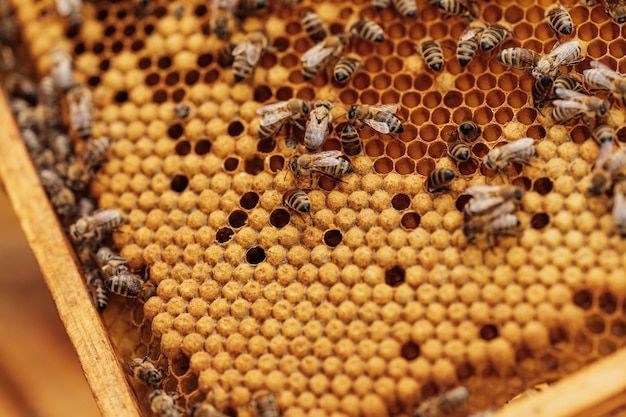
x: 172, y: 78
x: 179, y: 183
x: 164, y: 62
x: 488, y: 332
x: 79, y: 49
x: 183, y: 148
x: 254, y: 165
x: 148, y: 29
x: 109, y: 31
x: 144, y: 63
x: 160, y: 11
x: 583, y: 299
x: 410, y: 220
x: 102, y: 15
x: 237, y: 218
x: 255, y: 255
x: 130, y: 30
x: 266, y: 145
x: 180, y: 365
x: 72, y: 31
x: 117, y: 46
x: 137, y: 45
x: 121, y: 14
x: 205, y: 60
x: 453, y: 99
x: 121, y: 97
x: 201, y: 10
x: 203, y: 147
x: 98, y: 48
x: 333, y: 237
x: 279, y: 218
x: 152, y: 79
x: 595, y: 324
x: 104, y: 64
x: 327, y: 183
x: 231, y: 164
x: 281, y: 44
x: 607, y: 303
x: 410, y: 350
x: 461, y: 201
x: 192, y: 77
x: 277, y: 163
x: 539, y: 221
x: 175, y: 131
x: 618, y: 328
x: 159, y: 96
x: 211, y: 76
x: 224, y: 234
x: 522, y: 182
x: 93, y: 81
x: 394, y: 276
x: 262, y: 94
x: 249, y: 200
x: 178, y: 95
x: 235, y: 128
x: 284, y: 93
x: 400, y: 201
x: 543, y: 186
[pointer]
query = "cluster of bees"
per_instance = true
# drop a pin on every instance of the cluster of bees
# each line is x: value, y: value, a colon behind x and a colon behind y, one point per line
x: 615, y: 9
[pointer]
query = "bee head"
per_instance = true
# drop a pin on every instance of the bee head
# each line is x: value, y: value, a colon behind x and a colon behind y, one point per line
x: 352, y: 112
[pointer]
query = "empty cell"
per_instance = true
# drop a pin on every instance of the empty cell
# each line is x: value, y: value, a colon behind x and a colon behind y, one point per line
x: 525, y: 31
x: 596, y: 324
x: 522, y: 182
x: 452, y: 99
x: 425, y: 166
x: 396, y: 31
x: 175, y: 131
x: 255, y: 255
x: 583, y: 299
x: 289, y: 61
x: 410, y: 220
x: 607, y: 303
x: 474, y: 98
x: 262, y: 94
x: 144, y: 63
x: 333, y: 237
x: 417, y: 31
x: 348, y: 96
x: 513, y: 14
x: 390, y: 97
x: 383, y: 165
x: 468, y: 167
x: 395, y: 149
x: 266, y: 145
x: 539, y: 221
x: 486, y: 82
x: 517, y: 99
x: 410, y: 350
x: 203, y: 147
x: 421, y: 115
x: 394, y: 276
x: 410, y: 99
x: 507, y: 82
x: 598, y: 15
x: 302, y: 45
x: 617, y: 48
x: 192, y: 77
x: 543, y: 185
x: 237, y: 218
x: 373, y: 64
x: 618, y: 328
x: 280, y: 218
x: 179, y: 183
x: 543, y: 32
x: 432, y: 99
x: 534, y: 14
x: 405, y: 48
x: 231, y: 164
x: 535, y: 45
x: 276, y: 163
x: 393, y: 65
x: 400, y: 201
x: 183, y: 148
x: 504, y: 115
x: 438, y: 30
x: 579, y: 134
x: 254, y: 165
x: 440, y: 116
x: 437, y: 150
x: 178, y: 95
x: 609, y: 31
x: 409, y: 134
x: 211, y: 76
x: 461, y: 114
x: 152, y: 79
x: 374, y: 148
x: 488, y: 332
x: 478, y: 65
x: 480, y: 150
x: 417, y: 150
x: 428, y: 132
x: 235, y: 128
x: 606, y: 347
x: 597, y: 49
x: 423, y: 82
x: 483, y: 115
x: 526, y: 116
x: 293, y: 28
x: 284, y: 93
x: 536, y: 132
x: 465, y: 82
x: 249, y: 200
x: 370, y: 97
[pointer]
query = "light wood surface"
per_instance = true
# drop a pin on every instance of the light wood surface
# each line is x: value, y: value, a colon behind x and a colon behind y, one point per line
x: 52, y: 252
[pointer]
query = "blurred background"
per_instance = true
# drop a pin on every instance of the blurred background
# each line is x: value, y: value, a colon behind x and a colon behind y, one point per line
x: 40, y: 375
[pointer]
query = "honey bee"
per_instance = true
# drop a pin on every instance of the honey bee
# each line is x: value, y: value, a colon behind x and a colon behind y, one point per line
x: 164, y: 405
x: 225, y: 56
x: 94, y: 152
x: 31, y: 140
x: 94, y: 226
x: 182, y: 110
x: 542, y: 89
x: 205, y: 410
x: 459, y: 151
x: 521, y: 150
x: 61, y: 197
x: 297, y: 201
x: 99, y: 293
x: 110, y: 264
x: 70, y: 9
x: 488, y: 208
x: 19, y: 85
x: 80, y: 104
x: 503, y: 225
x: 468, y: 131
x: 446, y: 403
x: 461, y: 8
x: 314, y: 27
x: 567, y: 53
x: 381, y: 118
x: 507, y: 192
x: 468, y: 43
x: 368, y: 30
x: 327, y: 163
x: 145, y: 371
x: 129, y: 285
x: 47, y: 92
x: 350, y: 141
x: 493, y: 35
x: 439, y: 179
x: 379, y: 5
x: 518, y: 58
x: 568, y: 82
x: 607, y: 171
x: 247, y: 54
x: 275, y: 116
x: 604, y: 78
x: 560, y: 20
x: 407, y: 8
x: 266, y: 404
x: 317, y: 125
x: 619, y: 207
x: 223, y: 21
x: 61, y: 146
x: 616, y: 9
x: 431, y: 52
x: 321, y: 54
x: 86, y: 206
x: 604, y: 135
x: 574, y: 104
x: 61, y: 69
x: 345, y: 67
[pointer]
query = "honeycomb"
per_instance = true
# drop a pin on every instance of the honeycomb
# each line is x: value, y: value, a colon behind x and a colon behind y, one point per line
x: 376, y: 300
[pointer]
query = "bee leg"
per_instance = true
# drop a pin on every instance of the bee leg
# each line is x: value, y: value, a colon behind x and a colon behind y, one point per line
x: 297, y: 124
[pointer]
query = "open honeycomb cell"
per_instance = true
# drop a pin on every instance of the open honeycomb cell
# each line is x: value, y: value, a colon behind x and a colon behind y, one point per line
x: 375, y: 300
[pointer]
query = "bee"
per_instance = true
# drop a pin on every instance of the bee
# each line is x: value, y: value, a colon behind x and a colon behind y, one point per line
x: 61, y: 197
x: 431, y: 52
x: 493, y: 35
x: 80, y: 104
x: 446, y: 403
x: 604, y: 78
x: 350, y: 140
x: 604, y: 135
x: 266, y: 404
x: 314, y: 27
x: 245, y: 7
x: 567, y: 82
x: 407, y: 8
x: 503, y: 225
x: 468, y: 131
x: 379, y: 5
x: 607, y: 171
x: 145, y: 371
x: 542, y: 89
x: 439, y: 179
x: 573, y: 104
x: 317, y: 125
x: 461, y: 8
x: 560, y: 20
x: 164, y: 405
x: 61, y: 146
x: 86, y: 206
x: 110, y: 264
x: 223, y: 21
x: 297, y: 201
x: 61, y: 65
x: 459, y: 151
x: 619, y: 207
x: 32, y: 142
x: 70, y: 9
x: 518, y: 58
x: 47, y: 92
x: 19, y: 85
x: 345, y: 67
x: 468, y: 43
x: 205, y: 410
x: 247, y: 54
x: 368, y: 30
x: 381, y: 118
x: 567, y: 53
x: 488, y: 207
x: 225, y: 56
x: 182, y: 110
x: 275, y: 116
x: 129, y: 285
x: 321, y: 54
x: 616, y: 9
x: 99, y: 293
x: 94, y: 226
x: 521, y: 150
x: 327, y: 163
x: 507, y: 192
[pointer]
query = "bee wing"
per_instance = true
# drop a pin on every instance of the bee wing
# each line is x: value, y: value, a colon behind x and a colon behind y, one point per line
x: 481, y: 190
x: 564, y: 54
x: 317, y: 129
x: 272, y: 118
x: 241, y: 48
x: 606, y: 71
x: 377, y: 126
x: 316, y: 54
x: 619, y: 205
x: 325, y: 159
x: 513, y: 147
x: 570, y: 94
x: 570, y: 104
x: 270, y: 108
x: 391, y: 108
x: 66, y: 7
x: 597, y: 78
x: 470, y: 33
